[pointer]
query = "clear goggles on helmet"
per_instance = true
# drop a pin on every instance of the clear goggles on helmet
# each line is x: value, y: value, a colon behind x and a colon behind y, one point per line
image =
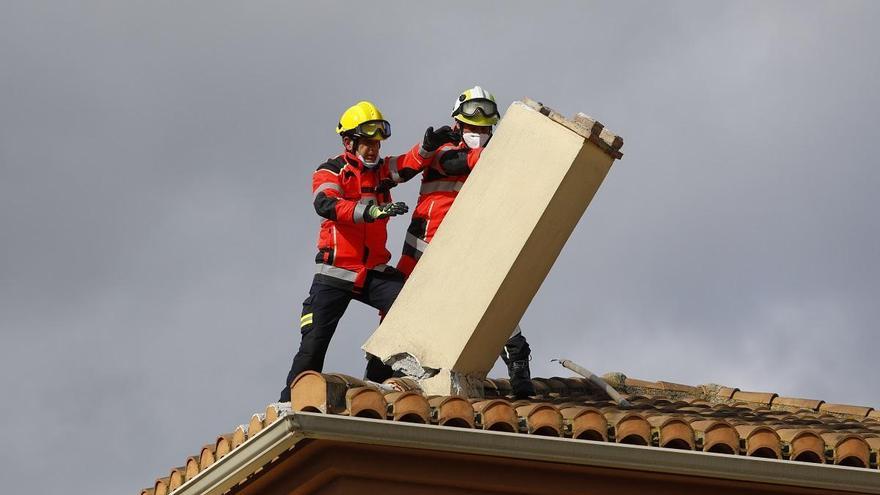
x: 373, y: 128
x: 470, y: 108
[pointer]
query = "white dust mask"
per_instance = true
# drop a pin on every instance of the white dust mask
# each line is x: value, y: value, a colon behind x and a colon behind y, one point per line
x: 368, y: 164
x: 474, y: 139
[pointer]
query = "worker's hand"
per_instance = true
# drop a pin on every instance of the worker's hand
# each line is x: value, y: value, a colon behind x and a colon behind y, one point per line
x: 435, y: 139
x: 374, y: 212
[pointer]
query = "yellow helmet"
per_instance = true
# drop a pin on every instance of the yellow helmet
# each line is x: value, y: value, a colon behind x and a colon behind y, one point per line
x: 364, y: 120
x: 476, y: 106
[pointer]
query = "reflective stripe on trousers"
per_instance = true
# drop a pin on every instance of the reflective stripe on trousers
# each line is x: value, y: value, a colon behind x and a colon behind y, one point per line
x: 336, y: 272
x: 343, y: 274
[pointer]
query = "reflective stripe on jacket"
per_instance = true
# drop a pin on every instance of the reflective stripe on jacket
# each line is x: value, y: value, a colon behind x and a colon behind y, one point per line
x: 348, y: 245
x: 444, y: 172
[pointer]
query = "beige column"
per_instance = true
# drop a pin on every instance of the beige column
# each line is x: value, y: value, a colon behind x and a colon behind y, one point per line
x: 495, y: 247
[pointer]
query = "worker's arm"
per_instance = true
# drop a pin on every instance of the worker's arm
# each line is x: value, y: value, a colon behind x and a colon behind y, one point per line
x: 327, y: 197
x: 457, y: 161
x: 404, y: 167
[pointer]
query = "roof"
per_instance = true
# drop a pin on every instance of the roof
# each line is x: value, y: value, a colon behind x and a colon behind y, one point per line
x: 710, y: 419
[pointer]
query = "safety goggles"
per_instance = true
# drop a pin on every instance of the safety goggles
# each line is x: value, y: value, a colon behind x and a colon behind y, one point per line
x: 373, y: 128
x: 470, y: 108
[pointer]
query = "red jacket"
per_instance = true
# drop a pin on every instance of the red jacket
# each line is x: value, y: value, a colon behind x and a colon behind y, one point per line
x: 348, y: 245
x: 443, y: 175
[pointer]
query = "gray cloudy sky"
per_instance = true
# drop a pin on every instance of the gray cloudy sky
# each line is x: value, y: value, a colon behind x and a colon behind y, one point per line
x: 158, y: 237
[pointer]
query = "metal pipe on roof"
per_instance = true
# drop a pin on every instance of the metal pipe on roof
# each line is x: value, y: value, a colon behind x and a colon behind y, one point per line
x: 598, y: 381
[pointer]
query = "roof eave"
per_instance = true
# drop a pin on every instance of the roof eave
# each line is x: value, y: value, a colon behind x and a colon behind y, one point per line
x: 285, y: 433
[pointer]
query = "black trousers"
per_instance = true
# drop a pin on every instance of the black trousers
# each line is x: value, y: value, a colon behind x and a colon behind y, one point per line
x: 516, y: 349
x: 320, y: 316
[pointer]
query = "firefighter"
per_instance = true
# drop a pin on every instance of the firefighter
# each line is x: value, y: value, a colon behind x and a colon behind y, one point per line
x: 445, y: 158
x: 351, y: 194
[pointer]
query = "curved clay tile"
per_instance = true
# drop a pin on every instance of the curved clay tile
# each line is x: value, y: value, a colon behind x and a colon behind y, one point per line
x: 796, y: 404
x: 160, y: 487
x: 541, y: 388
x: 192, y: 467
x: 849, y: 449
x: 239, y: 435
x: 725, y: 393
x: 255, y: 425
x: 803, y: 445
x: 365, y: 402
x: 541, y: 419
x: 409, y: 407
x: 587, y: 423
x: 503, y: 386
x: 176, y: 478
x: 678, y: 387
x: 874, y: 444
x: 452, y: 411
x: 576, y: 386
x: 630, y: 428
x: 717, y: 436
x: 496, y: 415
x: 763, y: 398
x: 223, y: 445
x: 148, y: 491
x: 274, y: 411
x: 489, y: 388
x: 325, y: 393
x: 403, y: 384
x: 673, y: 432
x: 557, y: 386
x: 761, y: 441
x: 846, y: 410
x: 206, y: 457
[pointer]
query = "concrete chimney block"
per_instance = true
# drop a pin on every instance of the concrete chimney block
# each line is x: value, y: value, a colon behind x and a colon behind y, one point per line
x: 496, y: 245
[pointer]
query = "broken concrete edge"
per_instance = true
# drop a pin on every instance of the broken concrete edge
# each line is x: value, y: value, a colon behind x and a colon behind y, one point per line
x: 438, y: 381
x: 583, y: 125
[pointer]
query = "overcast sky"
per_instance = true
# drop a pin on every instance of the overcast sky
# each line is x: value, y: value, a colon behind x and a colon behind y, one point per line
x: 158, y: 237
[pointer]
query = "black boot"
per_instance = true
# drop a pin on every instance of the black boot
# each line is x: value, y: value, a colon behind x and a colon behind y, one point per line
x: 516, y: 356
x: 520, y: 379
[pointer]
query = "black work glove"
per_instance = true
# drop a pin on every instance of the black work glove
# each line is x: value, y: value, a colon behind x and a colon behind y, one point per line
x: 435, y: 139
x: 373, y: 212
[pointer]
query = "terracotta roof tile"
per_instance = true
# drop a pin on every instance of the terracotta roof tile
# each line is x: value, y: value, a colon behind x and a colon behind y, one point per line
x: 409, y: 407
x: 802, y: 445
x: 586, y: 423
x: 176, y: 478
x: 452, y: 411
x: 541, y: 419
x: 710, y: 418
x: 496, y: 415
x: 192, y: 467
x: 763, y: 398
x: 846, y: 410
x: 206, y: 457
x: 849, y: 449
x: 795, y: 404
x: 160, y: 487
x: 672, y: 432
x: 725, y: 393
x: 256, y: 423
x: 760, y: 441
x: 223, y: 445
x: 716, y: 436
